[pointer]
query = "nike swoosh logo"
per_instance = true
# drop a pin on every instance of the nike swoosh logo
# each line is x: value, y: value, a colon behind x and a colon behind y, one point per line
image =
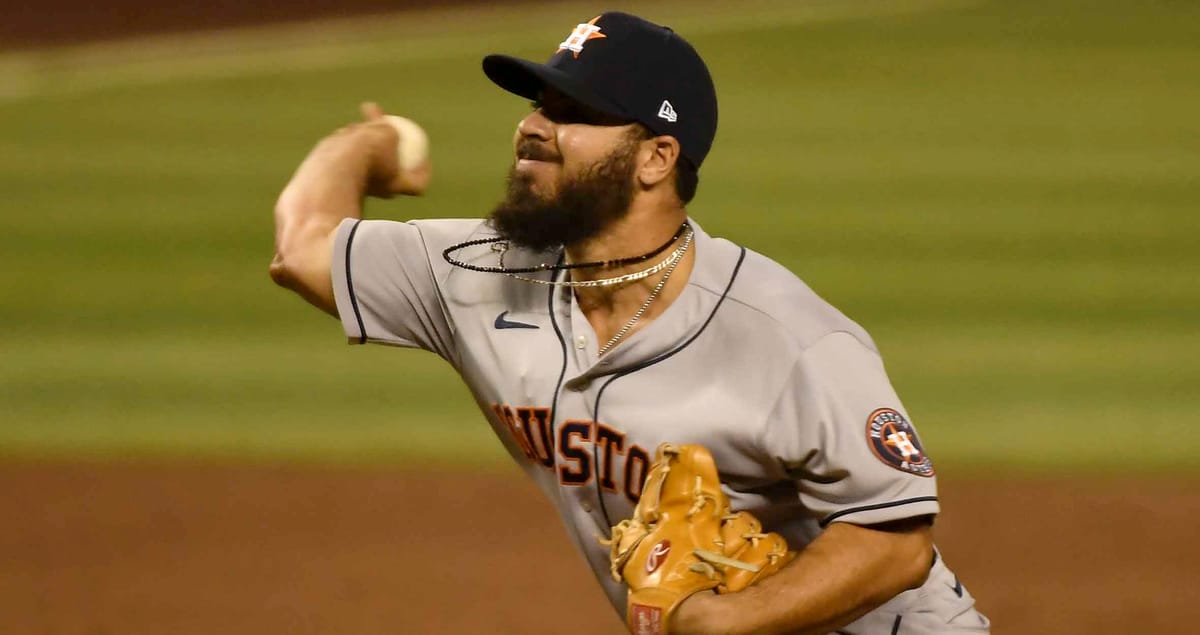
x: 502, y: 323
x: 958, y: 588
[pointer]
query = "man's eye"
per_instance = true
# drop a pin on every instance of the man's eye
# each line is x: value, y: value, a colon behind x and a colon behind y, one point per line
x: 555, y: 113
x: 568, y: 113
x: 564, y: 112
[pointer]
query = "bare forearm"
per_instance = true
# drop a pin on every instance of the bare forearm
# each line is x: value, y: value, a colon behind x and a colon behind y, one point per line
x: 845, y: 573
x: 328, y: 187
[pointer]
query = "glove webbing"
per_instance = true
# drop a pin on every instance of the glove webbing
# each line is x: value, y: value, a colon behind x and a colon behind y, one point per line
x: 708, y: 559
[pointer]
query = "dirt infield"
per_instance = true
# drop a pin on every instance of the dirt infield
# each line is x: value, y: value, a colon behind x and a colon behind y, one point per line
x: 95, y: 550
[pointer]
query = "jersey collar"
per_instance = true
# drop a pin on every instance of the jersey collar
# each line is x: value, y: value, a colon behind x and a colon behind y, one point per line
x: 715, y: 263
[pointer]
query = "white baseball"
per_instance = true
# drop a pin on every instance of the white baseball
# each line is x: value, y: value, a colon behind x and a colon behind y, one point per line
x: 413, y: 149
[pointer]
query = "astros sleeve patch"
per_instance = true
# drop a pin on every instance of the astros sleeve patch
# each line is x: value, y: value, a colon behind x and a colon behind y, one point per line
x: 894, y: 441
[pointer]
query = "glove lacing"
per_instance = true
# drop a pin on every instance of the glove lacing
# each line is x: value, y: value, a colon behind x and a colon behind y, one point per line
x: 701, y: 498
x: 637, y: 531
x: 619, y: 554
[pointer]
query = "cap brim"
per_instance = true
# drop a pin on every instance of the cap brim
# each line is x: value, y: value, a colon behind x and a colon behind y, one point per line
x: 527, y: 79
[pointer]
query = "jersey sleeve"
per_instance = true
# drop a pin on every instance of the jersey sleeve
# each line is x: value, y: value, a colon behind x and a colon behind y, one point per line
x: 841, y: 434
x: 386, y: 280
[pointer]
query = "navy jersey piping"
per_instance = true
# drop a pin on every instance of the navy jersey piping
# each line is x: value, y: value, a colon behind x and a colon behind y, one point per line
x: 896, y: 624
x: 866, y: 508
x: 650, y: 362
x: 563, y: 343
x: 362, y: 329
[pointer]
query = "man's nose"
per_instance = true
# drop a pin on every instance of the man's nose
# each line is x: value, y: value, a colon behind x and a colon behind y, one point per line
x: 535, y: 125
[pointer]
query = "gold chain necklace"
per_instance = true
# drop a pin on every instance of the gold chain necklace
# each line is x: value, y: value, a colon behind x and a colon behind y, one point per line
x: 653, y: 294
x: 668, y: 262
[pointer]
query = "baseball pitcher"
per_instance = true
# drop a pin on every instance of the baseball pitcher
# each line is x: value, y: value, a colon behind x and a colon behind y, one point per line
x: 724, y: 446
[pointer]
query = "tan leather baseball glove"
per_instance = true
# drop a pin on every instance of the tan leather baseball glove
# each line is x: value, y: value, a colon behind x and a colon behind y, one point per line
x: 683, y: 539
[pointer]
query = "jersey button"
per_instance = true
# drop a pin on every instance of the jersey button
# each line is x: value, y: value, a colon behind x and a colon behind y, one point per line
x: 587, y: 507
x: 580, y: 342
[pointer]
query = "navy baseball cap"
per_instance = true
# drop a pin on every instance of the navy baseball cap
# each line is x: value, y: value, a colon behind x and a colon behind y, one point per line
x: 623, y: 66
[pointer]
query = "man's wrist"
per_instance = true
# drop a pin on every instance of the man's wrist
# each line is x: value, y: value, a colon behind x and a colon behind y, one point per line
x: 701, y: 614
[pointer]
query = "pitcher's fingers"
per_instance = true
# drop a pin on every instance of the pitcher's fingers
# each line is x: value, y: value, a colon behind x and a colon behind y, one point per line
x: 371, y: 111
x: 414, y: 181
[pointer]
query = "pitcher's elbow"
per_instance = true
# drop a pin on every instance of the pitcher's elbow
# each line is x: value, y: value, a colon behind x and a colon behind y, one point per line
x: 280, y: 273
x: 920, y: 560
x: 920, y: 572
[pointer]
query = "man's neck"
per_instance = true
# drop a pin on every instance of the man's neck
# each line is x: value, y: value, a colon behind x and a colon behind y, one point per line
x: 633, y: 235
x: 641, y: 231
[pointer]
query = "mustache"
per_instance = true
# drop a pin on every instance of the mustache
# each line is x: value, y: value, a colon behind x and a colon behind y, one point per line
x: 530, y: 149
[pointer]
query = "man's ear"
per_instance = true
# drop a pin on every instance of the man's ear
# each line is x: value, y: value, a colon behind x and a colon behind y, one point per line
x: 657, y: 160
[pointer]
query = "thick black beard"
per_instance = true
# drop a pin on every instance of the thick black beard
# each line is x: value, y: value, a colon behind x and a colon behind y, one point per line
x: 583, y: 208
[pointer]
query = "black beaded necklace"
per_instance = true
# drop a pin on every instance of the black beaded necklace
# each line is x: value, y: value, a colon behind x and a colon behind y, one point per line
x: 603, y: 264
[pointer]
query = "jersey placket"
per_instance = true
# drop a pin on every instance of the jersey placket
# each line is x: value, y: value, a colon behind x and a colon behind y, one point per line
x: 582, y: 340
x: 575, y: 430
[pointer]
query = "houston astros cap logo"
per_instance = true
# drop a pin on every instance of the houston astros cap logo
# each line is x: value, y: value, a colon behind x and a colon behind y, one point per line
x: 583, y: 32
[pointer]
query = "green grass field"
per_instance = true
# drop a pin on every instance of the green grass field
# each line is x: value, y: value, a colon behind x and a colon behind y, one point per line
x: 1004, y: 193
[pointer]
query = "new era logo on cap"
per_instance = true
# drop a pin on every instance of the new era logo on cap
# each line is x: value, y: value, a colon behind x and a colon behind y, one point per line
x: 667, y: 111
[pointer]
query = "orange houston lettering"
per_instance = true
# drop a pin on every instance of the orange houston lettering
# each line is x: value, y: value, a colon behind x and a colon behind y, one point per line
x: 576, y: 468
x: 578, y: 451
x: 536, y: 423
x: 637, y: 464
x: 505, y: 414
x: 611, y: 442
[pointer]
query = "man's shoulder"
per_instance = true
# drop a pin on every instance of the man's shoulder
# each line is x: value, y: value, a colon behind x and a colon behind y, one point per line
x: 432, y: 234
x: 444, y: 232
x: 774, y: 299
x: 467, y: 257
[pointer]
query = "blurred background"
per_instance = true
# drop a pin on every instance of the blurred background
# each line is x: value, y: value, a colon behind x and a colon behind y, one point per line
x: 1004, y: 193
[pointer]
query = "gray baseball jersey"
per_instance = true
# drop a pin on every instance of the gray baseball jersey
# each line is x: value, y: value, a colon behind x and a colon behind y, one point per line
x: 788, y: 394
